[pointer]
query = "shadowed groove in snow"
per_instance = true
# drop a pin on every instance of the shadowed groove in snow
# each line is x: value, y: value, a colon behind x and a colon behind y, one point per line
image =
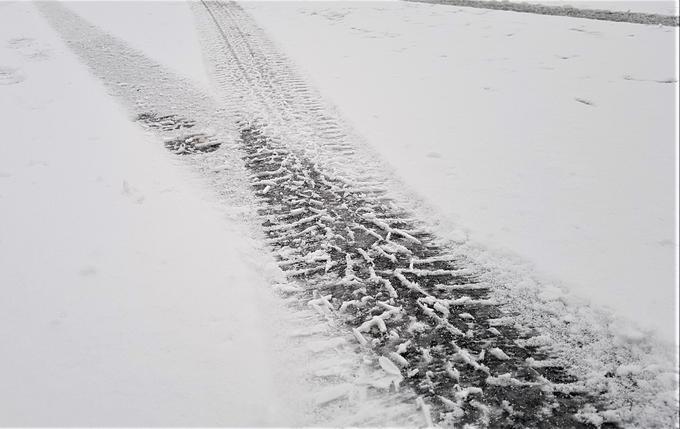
x: 570, y: 11
x: 354, y: 252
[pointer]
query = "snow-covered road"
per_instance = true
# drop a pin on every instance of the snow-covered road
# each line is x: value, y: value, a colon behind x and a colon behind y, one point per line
x: 545, y: 137
x: 146, y: 299
x: 137, y: 291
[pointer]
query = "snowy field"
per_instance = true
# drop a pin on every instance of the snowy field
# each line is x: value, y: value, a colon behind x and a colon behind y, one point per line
x: 138, y: 287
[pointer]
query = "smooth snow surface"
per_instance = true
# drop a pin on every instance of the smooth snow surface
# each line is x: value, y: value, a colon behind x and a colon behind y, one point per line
x: 546, y: 137
x: 128, y: 297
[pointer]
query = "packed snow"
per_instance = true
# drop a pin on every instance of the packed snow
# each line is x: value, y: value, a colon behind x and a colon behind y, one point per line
x: 561, y: 153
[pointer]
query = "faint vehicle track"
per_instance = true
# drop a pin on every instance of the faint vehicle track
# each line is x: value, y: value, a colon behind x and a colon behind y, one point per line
x: 542, y: 9
x: 259, y: 83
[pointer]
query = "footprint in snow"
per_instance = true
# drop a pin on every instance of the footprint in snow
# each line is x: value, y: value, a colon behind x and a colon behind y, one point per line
x: 88, y: 271
x: 11, y: 76
x: 132, y: 193
x: 20, y: 42
x: 637, y: 79
x: 29, y: 48
x: 584, y: 101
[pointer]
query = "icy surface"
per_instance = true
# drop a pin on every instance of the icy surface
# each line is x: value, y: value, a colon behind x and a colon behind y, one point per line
x: 561, y: 152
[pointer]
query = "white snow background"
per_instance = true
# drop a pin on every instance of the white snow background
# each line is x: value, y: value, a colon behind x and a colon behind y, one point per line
x: 549, y: 140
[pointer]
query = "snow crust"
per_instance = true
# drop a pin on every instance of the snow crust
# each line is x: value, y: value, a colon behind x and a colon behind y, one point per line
x: 559, y: 152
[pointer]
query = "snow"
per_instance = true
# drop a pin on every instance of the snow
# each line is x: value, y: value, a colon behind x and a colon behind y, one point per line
x: 130, y: 297
x: 140, y: 292
x: 559, y: 153
x: 136, y: 297
x: 388, y: 366
x: 163, y: 30
x: 646, y: 6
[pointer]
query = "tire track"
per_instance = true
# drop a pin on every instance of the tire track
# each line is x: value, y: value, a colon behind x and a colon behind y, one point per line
x: 407, y: 306
x: 342, y: 386
x: 353, y: 254
x: 276, y: 96
x: 364, y: 261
